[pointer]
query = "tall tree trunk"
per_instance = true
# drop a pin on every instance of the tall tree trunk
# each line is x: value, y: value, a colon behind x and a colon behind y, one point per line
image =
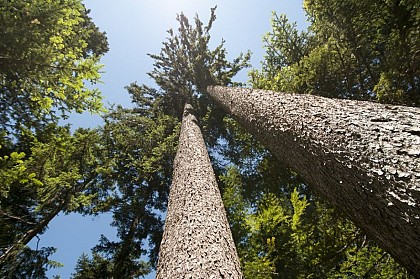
x: 363, y: 157
x: 197, y: 241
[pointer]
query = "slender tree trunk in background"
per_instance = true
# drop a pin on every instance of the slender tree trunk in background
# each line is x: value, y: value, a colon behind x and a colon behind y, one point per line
x: 197, y: 241
x: 14, y: 248
x: 363, y: 157
x: 119, y: 269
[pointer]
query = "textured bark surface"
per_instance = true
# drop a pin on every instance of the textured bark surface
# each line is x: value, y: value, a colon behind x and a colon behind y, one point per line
x: 363, y: 157
x: 197, y: 241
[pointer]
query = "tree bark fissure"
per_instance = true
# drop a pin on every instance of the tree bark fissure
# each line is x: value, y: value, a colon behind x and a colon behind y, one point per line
x: 363, y: 157
x: 197, y: 242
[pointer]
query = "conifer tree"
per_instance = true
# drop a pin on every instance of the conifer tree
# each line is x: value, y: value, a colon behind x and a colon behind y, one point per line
x: 183, y: 69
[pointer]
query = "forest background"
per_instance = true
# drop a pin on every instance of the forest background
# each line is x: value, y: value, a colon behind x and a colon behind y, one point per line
x: 257, y: 207
x: 134, y: 29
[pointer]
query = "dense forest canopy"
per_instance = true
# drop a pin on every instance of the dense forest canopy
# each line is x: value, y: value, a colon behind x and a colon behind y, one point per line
x: 49, y: 51
x: 352, y: 49
x: 366, y: 50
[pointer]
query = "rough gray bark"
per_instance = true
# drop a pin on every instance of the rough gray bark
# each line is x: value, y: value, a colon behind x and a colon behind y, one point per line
x: 363, y: 157
x: 197, y: 241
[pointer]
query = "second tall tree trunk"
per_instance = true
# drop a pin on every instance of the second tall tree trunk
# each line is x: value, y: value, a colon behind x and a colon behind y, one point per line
x: 362, y: 157
x: 197, y: 241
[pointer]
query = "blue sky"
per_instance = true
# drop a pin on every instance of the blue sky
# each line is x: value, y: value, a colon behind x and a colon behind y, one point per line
x: 135, y: 28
